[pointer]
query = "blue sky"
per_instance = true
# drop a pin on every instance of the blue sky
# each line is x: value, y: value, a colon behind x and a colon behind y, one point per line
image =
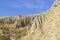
x: 23, y: 7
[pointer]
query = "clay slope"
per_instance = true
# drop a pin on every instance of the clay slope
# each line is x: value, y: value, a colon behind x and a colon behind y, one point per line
x: 42, y: 26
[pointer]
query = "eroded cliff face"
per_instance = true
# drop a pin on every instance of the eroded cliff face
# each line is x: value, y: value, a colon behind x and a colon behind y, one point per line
x: 43, y: 26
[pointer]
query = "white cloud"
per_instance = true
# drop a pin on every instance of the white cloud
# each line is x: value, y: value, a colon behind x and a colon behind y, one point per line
x: 29, y: 5
x: 40, y: 1
x: 15, y: 5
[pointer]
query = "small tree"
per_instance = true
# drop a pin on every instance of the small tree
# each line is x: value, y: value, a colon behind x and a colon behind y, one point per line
x: 19, y: 15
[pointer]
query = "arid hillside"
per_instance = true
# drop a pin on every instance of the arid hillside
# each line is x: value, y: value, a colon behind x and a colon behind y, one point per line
x: 41, y: 26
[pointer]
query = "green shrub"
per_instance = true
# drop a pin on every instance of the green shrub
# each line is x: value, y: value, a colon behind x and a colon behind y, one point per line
x: 4, y: 37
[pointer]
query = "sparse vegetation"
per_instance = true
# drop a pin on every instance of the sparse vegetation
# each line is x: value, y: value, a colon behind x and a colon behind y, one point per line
x: 3, y: 37
x: 4, y: 28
